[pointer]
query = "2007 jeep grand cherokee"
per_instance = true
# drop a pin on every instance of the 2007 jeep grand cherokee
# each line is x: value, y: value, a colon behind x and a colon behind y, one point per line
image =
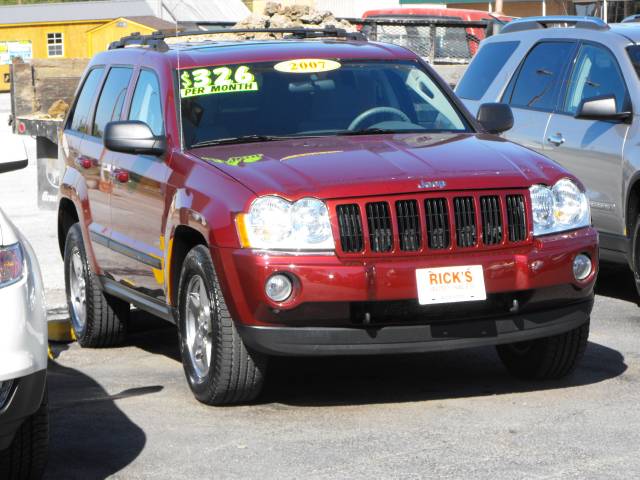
x: 316, y: 195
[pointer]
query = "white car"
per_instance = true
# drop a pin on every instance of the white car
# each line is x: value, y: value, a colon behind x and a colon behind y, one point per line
x: 24, y: 425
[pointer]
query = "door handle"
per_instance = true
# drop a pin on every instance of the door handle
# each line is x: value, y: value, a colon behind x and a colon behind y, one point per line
x: 121, y: 175
x: 556, y: 139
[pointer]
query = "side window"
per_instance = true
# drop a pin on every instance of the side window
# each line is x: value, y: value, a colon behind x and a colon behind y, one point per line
x: 111, y: 99
x: 539, y: 80
x: 80, y: 116
x: 146, y: 105
x: 596, y: 73
x: 483, y: 69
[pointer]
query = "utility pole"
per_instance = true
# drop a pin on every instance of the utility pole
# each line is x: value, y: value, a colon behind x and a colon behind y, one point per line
x: 499, y: 7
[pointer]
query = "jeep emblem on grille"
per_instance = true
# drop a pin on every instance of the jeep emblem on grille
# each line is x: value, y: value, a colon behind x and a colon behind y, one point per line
x: 433, y: 184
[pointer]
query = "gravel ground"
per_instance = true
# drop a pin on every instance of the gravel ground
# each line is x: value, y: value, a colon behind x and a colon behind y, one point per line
x: 128, y: 413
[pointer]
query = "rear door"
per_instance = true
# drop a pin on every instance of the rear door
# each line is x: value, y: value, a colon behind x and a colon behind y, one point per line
x: 592, y: 149
x: 138, y: 201
x: 534, y: 90
x: 99, y: 175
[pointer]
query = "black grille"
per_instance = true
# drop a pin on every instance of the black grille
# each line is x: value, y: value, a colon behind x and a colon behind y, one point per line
x: 516, y: 215
x: 350, y: 222
x: 491, y: 220
x: 465, y: 216
x: 437, y: 222
x: 408, y: 225
x: 379, y: 221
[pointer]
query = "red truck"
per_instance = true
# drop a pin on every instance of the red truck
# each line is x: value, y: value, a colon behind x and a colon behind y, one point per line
x: 316, y: 195
x: 452, y: 43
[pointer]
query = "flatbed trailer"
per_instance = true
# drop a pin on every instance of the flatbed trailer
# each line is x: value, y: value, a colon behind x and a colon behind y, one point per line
x: 35, y: 87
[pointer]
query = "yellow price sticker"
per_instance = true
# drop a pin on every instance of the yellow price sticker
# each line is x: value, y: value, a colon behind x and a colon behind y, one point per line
x: 307, y: 65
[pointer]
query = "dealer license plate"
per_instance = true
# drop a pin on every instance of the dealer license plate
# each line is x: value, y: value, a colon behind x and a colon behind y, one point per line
x: 450, y: 284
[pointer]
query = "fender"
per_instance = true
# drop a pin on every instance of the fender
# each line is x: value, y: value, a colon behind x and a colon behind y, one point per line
x: 74, y: 188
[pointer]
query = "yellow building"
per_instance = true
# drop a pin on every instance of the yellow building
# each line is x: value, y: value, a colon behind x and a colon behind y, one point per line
x: 25, y: 33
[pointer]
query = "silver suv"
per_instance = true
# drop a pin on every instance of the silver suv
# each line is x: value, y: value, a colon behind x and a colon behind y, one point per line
x: 573, y: 86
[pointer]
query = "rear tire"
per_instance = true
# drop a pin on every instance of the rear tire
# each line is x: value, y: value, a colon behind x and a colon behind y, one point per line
x: 545, y: 358
x: 26, y: 457
x: 635, y: 254
x: 220, y: 369
x: 98, y: 320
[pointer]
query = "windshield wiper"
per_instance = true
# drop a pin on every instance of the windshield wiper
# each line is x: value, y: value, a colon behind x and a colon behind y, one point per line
x: 376, y: 131
x: 240, y: 139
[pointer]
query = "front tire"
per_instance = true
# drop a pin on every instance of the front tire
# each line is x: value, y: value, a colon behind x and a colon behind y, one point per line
x: 545, y: 358
x: 218, y: 366
x: 26, y: 457
x: 98, y: 320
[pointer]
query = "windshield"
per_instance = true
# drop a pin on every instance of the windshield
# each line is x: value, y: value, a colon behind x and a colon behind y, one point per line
x: 310, y: 97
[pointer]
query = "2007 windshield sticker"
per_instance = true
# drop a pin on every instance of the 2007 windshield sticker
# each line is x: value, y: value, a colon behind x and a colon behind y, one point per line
x: 307, y: 65
x: 210, y: 81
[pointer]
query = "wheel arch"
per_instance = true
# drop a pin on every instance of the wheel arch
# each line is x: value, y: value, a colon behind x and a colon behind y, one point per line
x: 182, y: 240
x: 67, y: 216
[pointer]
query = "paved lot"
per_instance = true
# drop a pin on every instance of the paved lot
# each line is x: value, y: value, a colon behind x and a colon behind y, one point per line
x: 128, y: 413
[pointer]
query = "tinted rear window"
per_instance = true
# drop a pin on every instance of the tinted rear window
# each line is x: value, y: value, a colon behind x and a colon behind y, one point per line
x: 484, y: 68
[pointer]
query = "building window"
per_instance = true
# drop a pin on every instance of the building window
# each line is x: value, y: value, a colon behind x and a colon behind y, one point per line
x: 55, y: 46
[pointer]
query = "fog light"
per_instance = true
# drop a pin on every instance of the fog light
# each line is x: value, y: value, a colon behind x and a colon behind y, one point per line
x: 581, y: 266
x: 278, y: 287
x: 5, y: 388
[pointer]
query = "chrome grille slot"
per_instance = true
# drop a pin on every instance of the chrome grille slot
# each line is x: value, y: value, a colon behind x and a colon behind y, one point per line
x: 491, y: 220
x: 437, y: 223
x: 408, y: 225
x: 516, y: 215
x: 350, y: 222
x: 380, y: 227
x: 465, y: 217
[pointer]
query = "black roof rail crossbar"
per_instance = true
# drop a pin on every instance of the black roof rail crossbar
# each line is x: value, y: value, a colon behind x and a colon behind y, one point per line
x: 156, y: 40
x: 536, y: 23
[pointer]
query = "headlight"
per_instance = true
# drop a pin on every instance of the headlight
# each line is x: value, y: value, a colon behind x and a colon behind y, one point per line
x: 276, y: 224
x: 562, y: 207
x: 11, y: 264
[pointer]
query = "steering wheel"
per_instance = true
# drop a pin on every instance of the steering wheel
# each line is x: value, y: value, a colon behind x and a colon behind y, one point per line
x: 374, y: 111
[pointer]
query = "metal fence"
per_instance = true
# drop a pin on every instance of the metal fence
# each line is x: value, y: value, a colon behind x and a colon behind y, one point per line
x: 439, y: 41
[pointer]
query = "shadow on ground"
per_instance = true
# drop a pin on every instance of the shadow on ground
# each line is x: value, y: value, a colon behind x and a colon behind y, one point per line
x: 90, y: 437
x: 616, y: 281
x: 394, y: 378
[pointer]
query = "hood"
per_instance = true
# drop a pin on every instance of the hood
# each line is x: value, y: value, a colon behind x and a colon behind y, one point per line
x: 339, y: 167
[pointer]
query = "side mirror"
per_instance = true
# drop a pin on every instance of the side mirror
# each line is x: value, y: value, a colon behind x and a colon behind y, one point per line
x: 601, y: 108
x: 133, y: 136
x: 14, y: 156
x: 495, y: 117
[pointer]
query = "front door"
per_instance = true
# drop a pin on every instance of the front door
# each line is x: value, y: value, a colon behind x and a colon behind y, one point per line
x: 534, y: 89
x: 592, y: 149
x: 98, y: 165
x: 137, y: 202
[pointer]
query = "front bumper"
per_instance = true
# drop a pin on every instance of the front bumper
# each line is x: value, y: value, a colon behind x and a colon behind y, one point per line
x: 24, y: 400
x: 452, y: 335
x: 331, y: 291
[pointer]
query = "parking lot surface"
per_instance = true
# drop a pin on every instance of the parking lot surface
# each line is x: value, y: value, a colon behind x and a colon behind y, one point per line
x: 128, y: 412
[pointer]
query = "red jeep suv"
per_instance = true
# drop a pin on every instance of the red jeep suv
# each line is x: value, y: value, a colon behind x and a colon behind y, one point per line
x: 314, y: 195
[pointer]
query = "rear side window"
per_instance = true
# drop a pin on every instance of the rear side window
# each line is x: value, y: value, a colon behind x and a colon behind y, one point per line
x: 484, y: 68
x: 111, y: 99
x: 146, y: 105
x: 539, y: 79
x: 80, y: 117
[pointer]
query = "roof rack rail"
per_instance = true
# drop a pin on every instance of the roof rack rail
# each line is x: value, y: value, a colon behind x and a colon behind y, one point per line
x: 631, y: 19
x: 536, y: 23
x: 156, y: 40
